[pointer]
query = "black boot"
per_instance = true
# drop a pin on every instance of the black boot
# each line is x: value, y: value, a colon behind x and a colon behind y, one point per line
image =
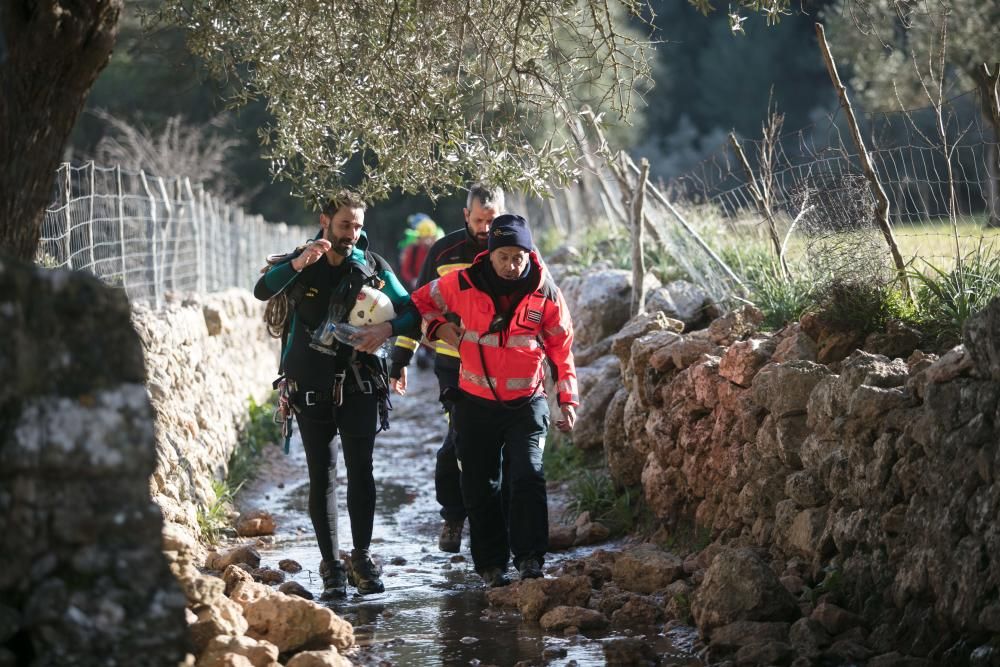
x: 334, y: 580
x: 363, y: 574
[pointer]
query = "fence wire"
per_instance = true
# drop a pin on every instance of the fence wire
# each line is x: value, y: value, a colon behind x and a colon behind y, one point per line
x: 938, y: 167
x: 152, y: 235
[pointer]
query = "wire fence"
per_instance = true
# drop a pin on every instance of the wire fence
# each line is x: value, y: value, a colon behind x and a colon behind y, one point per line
x: 939, y: 167
x: 151, y: 235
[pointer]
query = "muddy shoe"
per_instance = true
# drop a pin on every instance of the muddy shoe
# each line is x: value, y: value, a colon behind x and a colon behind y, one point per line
x: 494, y: 577
x: 451, y: 536
x: 363, y: 574
x: 334, y: 580
x: 530, y: 568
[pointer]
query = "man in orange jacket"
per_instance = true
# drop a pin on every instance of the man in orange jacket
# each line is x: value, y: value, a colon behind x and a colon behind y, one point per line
x: 511, y: 317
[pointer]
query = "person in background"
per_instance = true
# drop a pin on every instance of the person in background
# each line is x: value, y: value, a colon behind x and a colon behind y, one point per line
x: 411, y: 260
x: 513, y: 319
x: 455, y: 251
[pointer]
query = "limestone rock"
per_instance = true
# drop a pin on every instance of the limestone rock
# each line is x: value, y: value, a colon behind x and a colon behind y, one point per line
x: 637, y: 611
x: 625, y: 462
x: 981, y: 336
x: 597, y: 384
x: 784, y: 389
x: 290, y: 622
x: 646, y: 568
x: 638, y: 326
x: 241, y: 554
x: 600, y: 303
x: 562, y: 617
x: 744, y: 358
x: 835, y: 620
x: 739, y: 586
x: 630, y: 651
x: 234, y: 575
x: 741, y: 633
x: 220, y: 651
x: 735, y: 325
x: 536, y: 596
x: 328, y: 658
x: 794, y: 345
x: 295, y: 588
x: 290, y: 566
x: 683, y: 301
x: 255, y: 523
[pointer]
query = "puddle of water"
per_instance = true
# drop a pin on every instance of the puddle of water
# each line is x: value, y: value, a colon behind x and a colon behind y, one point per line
x: 434, y: 610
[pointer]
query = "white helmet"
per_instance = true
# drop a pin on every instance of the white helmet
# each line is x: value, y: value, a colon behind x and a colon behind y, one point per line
x: 372, y: 307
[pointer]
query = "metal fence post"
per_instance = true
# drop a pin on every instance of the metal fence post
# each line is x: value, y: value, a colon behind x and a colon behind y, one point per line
x: 152, y: 227
x: 67, y: 200
x: 167, y: 228
x: 121, y: 219
x: 90, y: 219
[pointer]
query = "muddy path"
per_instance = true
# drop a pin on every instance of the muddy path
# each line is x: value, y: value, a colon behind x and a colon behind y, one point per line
x: 434, y: 610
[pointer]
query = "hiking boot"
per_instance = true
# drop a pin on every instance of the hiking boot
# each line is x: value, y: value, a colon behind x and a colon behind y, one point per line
x: 334, y: 580
x: 451, y: 536
x: 363, y: 574
x: 495, y: 577
x: 530, y: 568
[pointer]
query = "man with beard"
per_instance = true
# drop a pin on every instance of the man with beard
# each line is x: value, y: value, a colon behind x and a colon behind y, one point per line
x: 453, y: 252
x: 513, y: 319
x: 336, y: 387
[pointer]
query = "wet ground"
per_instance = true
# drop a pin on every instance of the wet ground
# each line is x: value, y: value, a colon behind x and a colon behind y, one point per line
x: 434, y: 610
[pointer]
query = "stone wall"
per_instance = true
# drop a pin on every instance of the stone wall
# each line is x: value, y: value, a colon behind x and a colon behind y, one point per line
x: 878, y: 476
x: 82, y: 578
x: 205, y: 357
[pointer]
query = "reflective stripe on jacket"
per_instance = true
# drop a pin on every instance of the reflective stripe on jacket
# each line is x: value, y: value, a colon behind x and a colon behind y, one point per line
x: 514, y: 357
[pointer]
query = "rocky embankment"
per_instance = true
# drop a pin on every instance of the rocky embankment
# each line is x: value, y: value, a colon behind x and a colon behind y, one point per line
x: 851, y: 505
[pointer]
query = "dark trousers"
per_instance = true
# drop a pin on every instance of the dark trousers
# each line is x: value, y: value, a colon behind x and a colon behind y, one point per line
x: 447, y: 478
x: 490, y: 435
x: 356, y: 421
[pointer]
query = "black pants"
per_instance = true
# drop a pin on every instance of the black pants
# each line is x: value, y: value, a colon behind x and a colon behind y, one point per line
x: 447, y: 476
x: 490, y: 435
x: 447, y: 479
x: 355, y: 420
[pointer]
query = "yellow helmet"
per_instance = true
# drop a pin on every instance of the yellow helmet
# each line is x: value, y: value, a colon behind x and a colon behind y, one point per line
x: 427, y: 228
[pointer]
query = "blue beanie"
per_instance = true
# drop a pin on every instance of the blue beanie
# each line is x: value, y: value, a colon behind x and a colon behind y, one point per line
x: 509, y: 230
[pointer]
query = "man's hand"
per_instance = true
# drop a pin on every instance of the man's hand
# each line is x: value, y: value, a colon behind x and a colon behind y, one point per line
x: 370, y: 339
x: 398, y: 385
x: 311, y: 254
x: 569, y: 418
x: 450, y: 333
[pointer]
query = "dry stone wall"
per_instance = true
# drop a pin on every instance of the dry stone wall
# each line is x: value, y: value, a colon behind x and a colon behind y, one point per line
x: 82, y: 578
x: 205, y: 357
x: 871, y: 481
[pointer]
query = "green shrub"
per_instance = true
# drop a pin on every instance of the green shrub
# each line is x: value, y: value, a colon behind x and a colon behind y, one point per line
x: 213, y: 518
x: 849, y: 305
x: 946, y: 299
x: 781, y: 299
x: 259, y: 432
x: 561, y: 459
x: 593, y: 491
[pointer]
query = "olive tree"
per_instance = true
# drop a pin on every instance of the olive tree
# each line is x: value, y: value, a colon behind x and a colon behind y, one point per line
x: 915, y: 53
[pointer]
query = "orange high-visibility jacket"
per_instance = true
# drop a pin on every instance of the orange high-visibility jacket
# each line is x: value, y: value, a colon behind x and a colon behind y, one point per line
x: 514, y: 356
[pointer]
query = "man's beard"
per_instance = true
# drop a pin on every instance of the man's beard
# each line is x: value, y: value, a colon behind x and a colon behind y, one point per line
x: 342, y: 247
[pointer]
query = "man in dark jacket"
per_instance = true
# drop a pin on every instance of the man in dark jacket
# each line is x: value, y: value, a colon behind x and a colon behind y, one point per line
x: 336, y: 387
x: 453, y: 252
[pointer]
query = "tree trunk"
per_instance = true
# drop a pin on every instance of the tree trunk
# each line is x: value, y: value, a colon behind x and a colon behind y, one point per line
x: 989, y: 99
x: 54, y: 51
